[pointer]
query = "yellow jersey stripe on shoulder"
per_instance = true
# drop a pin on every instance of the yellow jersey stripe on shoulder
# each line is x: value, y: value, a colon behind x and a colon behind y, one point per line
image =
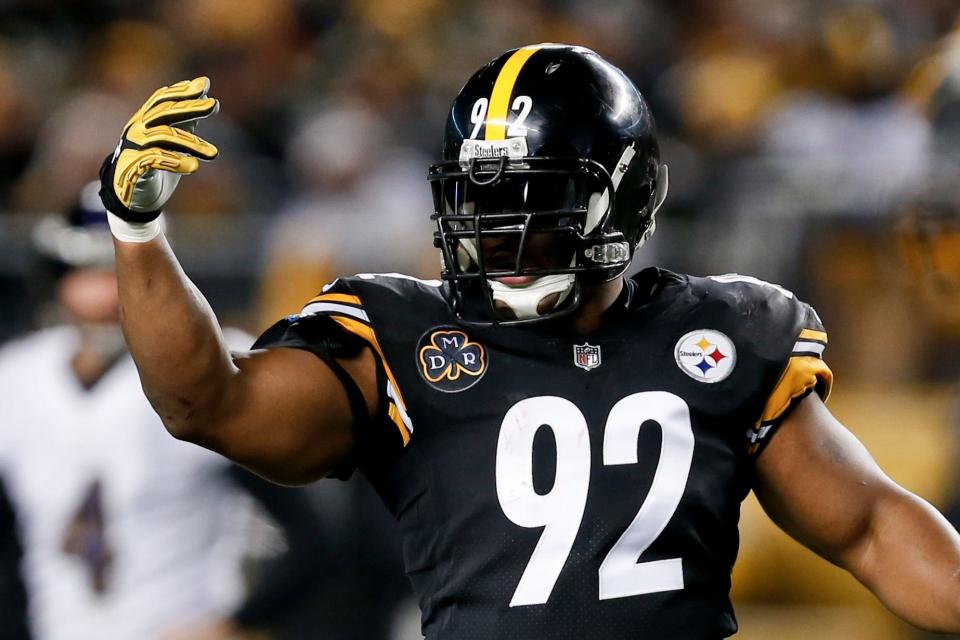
x: 496, y: 123
x: 337, y: 297
x: 397, y: 411
x: 802, y: 374
x: 813, y: 334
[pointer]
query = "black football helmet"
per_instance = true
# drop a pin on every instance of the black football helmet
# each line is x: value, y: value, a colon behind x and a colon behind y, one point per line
x: 546, y: 141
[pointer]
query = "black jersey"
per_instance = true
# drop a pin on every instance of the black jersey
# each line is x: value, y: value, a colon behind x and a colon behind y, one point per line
x: 558, y: 486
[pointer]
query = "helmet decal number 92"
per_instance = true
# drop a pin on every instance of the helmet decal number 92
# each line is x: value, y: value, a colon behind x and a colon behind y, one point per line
x: 560, y: 511
x: 477, y: 115
x: 521, y: 106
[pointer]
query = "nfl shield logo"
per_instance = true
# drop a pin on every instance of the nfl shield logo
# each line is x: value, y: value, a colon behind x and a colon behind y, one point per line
x: 586, y: 356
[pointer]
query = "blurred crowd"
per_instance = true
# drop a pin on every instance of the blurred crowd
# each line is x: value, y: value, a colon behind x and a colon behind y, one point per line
x: 768, y: 111
x: 797, y: 132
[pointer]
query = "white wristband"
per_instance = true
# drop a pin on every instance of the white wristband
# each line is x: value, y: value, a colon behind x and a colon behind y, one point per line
x: 133, y: 231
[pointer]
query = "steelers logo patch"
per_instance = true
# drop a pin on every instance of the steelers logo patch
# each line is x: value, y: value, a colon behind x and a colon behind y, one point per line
x: 706, y: 355
x: 449, y: 360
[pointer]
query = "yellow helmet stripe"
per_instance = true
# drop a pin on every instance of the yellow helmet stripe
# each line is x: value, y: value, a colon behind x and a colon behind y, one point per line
x: 496, y: 123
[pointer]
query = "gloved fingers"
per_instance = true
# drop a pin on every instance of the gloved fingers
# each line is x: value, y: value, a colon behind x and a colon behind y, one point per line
x: 183, y: 90
x: 173, y: 139
x: 179, y: 111
x: 133, y: 163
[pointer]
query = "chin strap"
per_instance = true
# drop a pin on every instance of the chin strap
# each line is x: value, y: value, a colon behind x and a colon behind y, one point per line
x: 524, y: 300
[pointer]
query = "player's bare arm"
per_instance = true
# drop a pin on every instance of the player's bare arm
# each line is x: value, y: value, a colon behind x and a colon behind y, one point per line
x: 283, y: 413
x: 822, y: 487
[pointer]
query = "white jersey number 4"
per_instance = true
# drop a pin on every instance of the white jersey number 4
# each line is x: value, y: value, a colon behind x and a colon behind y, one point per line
x: 560, y: 511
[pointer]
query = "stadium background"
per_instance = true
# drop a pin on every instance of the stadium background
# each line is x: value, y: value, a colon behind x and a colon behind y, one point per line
x: 796, y: 131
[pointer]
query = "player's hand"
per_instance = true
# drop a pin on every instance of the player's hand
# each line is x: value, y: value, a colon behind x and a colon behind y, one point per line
x: 157, y: 147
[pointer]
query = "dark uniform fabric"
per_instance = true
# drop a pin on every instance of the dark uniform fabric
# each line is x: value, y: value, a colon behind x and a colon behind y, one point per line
x: 486, y: 435
x: 13, y: 596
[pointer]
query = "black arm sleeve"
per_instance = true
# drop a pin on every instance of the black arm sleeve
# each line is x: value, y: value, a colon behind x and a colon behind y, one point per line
x: 374, y: 436
x: 323, y: 337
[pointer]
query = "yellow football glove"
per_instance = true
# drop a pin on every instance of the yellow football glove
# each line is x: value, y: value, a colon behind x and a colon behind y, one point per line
x: 156, y: 148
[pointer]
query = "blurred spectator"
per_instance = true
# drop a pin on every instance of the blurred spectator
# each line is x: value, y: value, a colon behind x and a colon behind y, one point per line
x: 356, y: 186
x: 18, y: 123
x: 929, y: 229
x: 125, y: 60
x: 68, y: 152
x: 130, y: 60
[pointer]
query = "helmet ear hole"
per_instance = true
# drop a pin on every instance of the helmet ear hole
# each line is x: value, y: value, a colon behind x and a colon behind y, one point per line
x: 644, y: 193
x: 633, y: 204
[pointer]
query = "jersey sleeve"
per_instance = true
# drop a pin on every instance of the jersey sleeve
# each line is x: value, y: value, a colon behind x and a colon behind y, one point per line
x: 333, y: 325
x: 804, y: 371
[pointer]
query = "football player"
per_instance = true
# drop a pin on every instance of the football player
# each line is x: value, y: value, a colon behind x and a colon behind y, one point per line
x: 565, y: 448
x: 125, y: 535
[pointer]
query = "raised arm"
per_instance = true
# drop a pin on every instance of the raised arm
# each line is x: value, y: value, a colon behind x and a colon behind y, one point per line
x: 281, y: 412
x: 821, y: 486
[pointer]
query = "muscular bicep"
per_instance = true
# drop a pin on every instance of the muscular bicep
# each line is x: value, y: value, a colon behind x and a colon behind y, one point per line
x: 287, y: 416
x: 819, y: 483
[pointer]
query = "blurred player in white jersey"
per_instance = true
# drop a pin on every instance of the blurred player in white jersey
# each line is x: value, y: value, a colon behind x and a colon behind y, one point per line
x: 126, y: 533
